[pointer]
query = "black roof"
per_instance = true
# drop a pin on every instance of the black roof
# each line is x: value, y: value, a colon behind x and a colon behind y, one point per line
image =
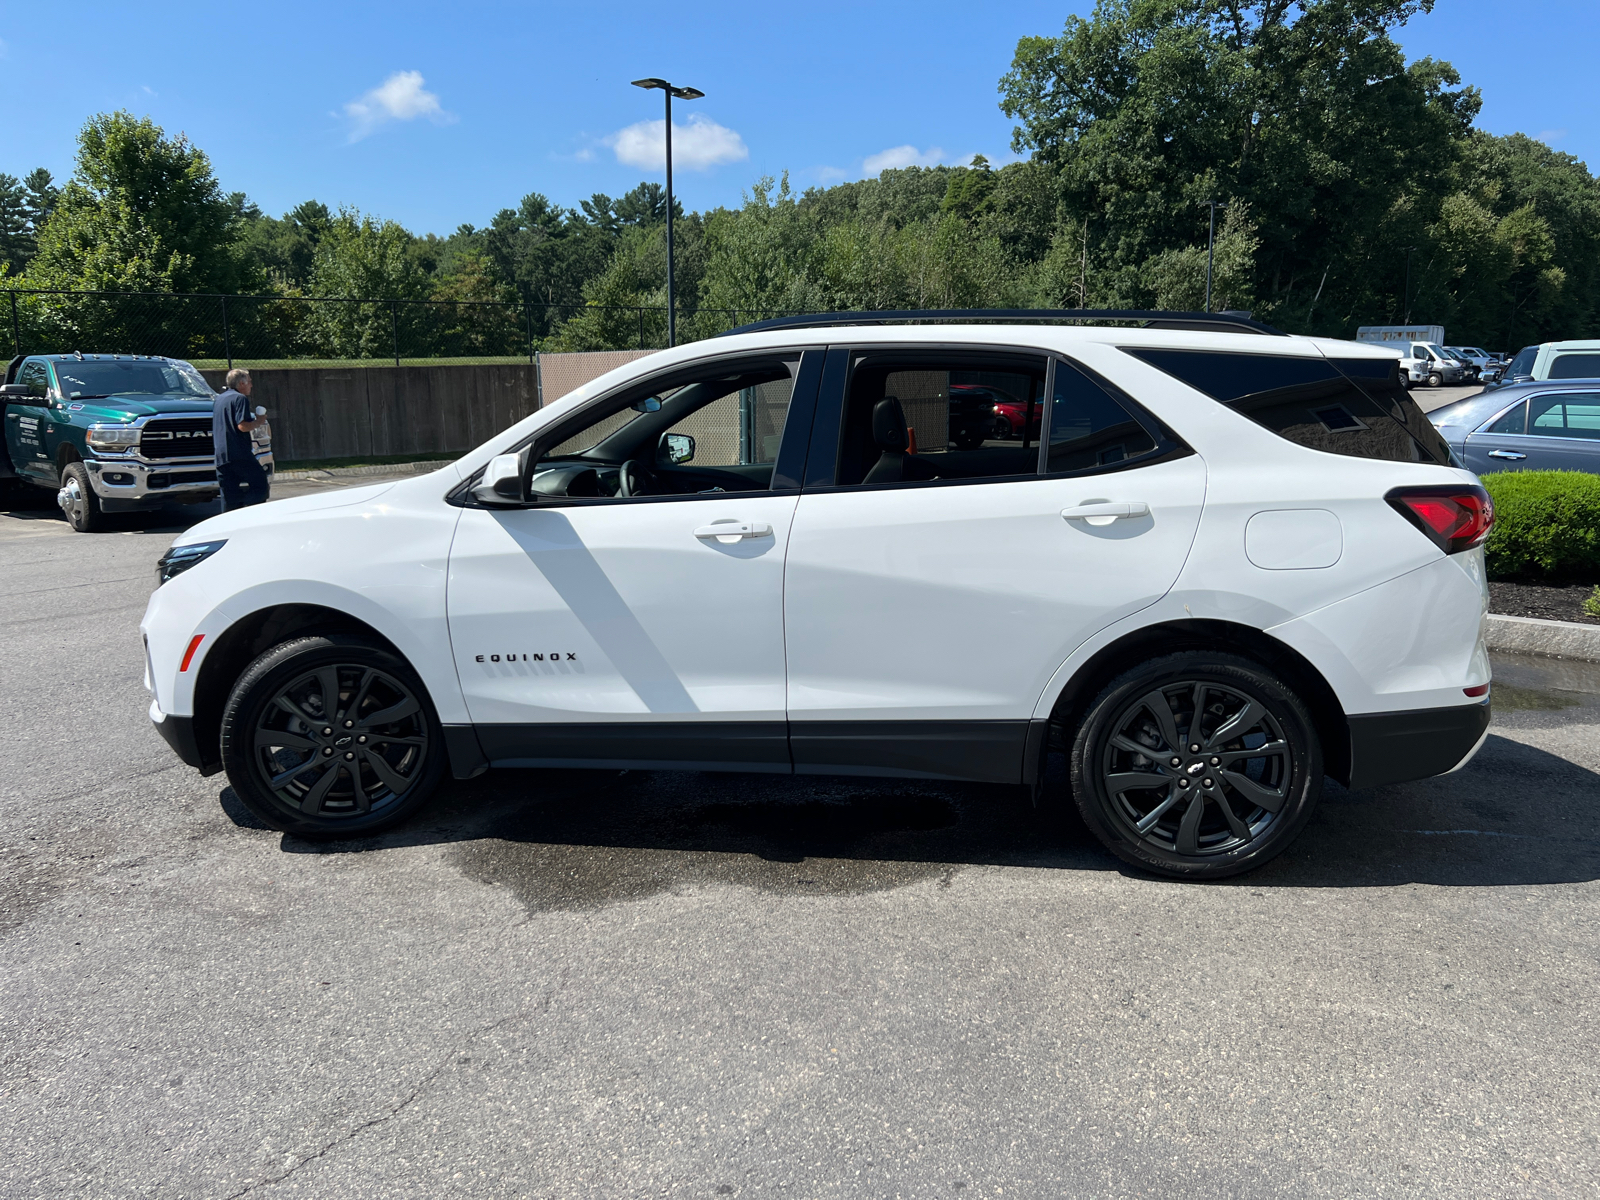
x: 1223, y: 322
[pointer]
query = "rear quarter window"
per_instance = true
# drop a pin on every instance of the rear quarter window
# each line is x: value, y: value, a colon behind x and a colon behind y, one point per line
x: 1356, y: 407
x: 1575, y: 366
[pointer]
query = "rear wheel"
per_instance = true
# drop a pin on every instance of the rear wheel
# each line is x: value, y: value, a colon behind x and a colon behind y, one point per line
x: 78, y: 501
x: 330, y: 736
x: 1196, y: 766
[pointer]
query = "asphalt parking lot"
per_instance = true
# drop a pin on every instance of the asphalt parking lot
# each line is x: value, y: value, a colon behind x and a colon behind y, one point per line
x: 601, y: 984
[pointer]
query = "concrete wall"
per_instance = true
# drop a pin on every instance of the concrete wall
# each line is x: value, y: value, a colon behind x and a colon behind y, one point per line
x: 370, y: 412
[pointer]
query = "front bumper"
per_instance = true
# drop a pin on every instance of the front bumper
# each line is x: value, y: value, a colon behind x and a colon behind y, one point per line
x: 136, y: 482
x: 178, y: 732
x: 1398, y: 747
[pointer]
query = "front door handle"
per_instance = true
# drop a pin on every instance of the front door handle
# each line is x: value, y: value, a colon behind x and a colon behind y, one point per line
x: 1505, y: 454
x: 734, y: 530
x: 1103, y: 512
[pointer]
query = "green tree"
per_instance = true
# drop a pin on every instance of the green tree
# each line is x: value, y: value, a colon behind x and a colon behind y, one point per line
x: 1303, y: 110
x: 142, y: 213
x: 16, y: 236
x: 367, y: 263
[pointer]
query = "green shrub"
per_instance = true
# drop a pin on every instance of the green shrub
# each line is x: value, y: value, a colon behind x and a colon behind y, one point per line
x: 1546, y: 525
x: 1592, y: 604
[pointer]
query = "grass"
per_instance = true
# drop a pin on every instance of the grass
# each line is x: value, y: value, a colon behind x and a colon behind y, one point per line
x: 308, y: 364
x: 382, y: 460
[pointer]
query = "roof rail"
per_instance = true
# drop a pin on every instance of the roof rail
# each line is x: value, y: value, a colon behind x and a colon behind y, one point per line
x: 1221, y: 322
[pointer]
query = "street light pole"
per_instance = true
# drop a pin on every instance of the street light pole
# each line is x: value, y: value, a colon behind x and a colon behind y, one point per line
x: 683, y: 93
x: 1211, y: 245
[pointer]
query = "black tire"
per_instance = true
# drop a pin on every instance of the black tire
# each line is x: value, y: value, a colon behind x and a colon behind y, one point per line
x: 1196, y: 819
x: 345, y: 783
x: 1435, y: 379
x: 77, y: 500
x: 966, y: 437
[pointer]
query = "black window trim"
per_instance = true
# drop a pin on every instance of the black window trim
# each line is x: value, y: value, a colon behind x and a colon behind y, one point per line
x: 802, y: 404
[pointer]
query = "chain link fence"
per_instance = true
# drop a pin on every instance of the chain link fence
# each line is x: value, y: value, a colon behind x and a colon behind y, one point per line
x: 218, y: 330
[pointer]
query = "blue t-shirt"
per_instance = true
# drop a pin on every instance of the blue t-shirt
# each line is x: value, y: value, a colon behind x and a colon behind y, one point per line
x: 228, y: 411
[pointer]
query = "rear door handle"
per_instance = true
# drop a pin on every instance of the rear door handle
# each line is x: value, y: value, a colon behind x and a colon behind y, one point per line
x: 1505, y: 454
x: 734, y: 529
x: 1103, y: 512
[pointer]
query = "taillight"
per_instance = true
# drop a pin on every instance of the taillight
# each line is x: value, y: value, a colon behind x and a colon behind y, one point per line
x: 1454, y: 518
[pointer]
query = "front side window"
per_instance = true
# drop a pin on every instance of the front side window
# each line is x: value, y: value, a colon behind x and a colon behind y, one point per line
x: 706, y: 431
x: 1572, y: 416
x: 1575, y: 366
x: 1522, y: 364
x: 1510, y: 421
x: 34, y: 376
x: 1356, y: 407
x: 929, y: 416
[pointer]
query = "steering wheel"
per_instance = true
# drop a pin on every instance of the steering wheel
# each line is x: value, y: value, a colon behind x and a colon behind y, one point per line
x: 632, y: 479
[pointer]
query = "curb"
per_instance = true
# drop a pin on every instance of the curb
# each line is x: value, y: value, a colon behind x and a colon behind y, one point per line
x: 1535, y: 635
x: 411, y: 468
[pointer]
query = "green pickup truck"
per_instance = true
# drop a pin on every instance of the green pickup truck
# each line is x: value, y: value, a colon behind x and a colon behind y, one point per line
x: 109, y: 433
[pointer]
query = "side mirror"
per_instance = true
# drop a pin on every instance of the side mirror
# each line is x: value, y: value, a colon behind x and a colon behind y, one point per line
x: 677, y: 447
x: 504, y: 482
x: 15, y: 391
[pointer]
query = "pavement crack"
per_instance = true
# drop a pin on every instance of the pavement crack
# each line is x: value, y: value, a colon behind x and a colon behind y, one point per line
x: 383, y: 1118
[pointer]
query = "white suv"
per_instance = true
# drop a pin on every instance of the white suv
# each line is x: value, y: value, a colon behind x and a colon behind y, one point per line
x: 1213, y: 566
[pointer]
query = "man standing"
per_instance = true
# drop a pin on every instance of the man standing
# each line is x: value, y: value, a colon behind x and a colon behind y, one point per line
x: 239, y: 475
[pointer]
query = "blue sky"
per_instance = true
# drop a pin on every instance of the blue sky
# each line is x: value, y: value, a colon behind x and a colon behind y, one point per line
x: 439, y: 114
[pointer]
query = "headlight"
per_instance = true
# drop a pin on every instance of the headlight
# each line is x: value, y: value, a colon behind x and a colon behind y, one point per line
x: 115, y: 439
x: 180, y: 558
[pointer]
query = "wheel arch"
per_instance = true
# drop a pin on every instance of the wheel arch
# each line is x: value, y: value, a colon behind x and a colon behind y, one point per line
x: 242, y: 642
x: 1169, y: 637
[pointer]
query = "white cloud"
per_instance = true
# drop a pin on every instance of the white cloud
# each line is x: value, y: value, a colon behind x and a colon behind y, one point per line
x: 1550, y: 135
x: 148, y: 90
x: 401, y: 97
x: 700, y: 144
x: 897, y: 157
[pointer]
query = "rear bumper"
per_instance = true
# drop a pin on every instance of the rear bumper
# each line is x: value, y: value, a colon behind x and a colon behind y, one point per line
x: 178, y: 732
x: 1398, y: 747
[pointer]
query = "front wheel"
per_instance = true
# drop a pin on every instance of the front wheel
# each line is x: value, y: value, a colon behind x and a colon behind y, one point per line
x: 77, y: 500
x: 1196, y: 766
x: 331, y: 736
x: 1435, y: 379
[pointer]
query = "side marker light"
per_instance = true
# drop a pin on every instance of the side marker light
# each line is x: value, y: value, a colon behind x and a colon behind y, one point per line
x: 1481, y: 689
x: 188, y: 655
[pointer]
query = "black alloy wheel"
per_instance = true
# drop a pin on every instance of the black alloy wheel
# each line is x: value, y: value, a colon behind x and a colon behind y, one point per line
x: 331, y: 735
x: 1197, y: 766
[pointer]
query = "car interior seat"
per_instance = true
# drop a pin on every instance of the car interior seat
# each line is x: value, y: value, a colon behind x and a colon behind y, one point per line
x: 890, y: 437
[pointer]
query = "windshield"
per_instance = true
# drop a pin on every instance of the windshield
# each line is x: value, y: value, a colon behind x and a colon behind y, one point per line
x: 133, y: 378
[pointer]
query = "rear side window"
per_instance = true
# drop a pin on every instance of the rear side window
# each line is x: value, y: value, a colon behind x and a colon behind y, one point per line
x: 1355, y: 407
x: 1575, y: 366
x: 1572, y: 416
x: 1089, y: 429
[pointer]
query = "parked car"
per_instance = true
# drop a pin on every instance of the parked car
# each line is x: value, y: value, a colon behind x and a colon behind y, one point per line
x: 1208, y: 553
x: 110, y: 433
x: 1551, y: 425
x: 1470, y: 373
x: 1427, y: 362
x: 1555, y: 360
x: 1488, y: 365
x: 1014, y: 418
x: 971, y: 421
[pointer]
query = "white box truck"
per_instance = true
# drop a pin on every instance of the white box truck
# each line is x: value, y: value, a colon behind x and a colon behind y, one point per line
x: 1422, y: 355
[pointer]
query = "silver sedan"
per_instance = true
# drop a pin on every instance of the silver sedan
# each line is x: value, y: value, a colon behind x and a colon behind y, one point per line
x: 1550, y: 425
